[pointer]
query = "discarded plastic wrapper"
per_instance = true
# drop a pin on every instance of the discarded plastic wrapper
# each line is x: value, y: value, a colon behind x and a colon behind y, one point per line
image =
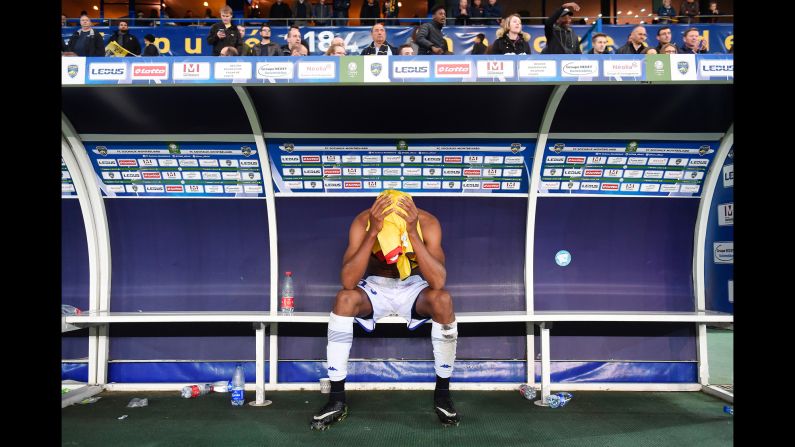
x: 136, y: 402
x: 90, y: 400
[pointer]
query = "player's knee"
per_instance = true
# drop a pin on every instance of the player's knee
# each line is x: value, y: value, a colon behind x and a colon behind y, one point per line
x: 346, y: 301
x: 442, y: 301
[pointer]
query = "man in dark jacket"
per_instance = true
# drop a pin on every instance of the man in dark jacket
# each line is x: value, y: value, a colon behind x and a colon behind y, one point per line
x: 379, y: 46
x: 430, y: 39
x: 635, y: 43
x: 265, y: 47
x: 280, y: 10
x: 341, y: 12
x: 561, y: 39
x: 86, y: 41
x: 369, y: 11
x: 126, y: 40
x: 223, y: 34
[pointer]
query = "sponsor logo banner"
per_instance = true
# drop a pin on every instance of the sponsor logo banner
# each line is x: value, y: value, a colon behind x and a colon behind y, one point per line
x: 150, y: 71
x: 496, y: 69
x: 579, y: 68
x: 723, y: 252
x: 275, y: 70
x: 623, y: 68
x: 317, y: 70
x: 453, y: 69
x: 411, y: 70
x: 184, y: 71
x: 538, y: 69
x: 107, y: 71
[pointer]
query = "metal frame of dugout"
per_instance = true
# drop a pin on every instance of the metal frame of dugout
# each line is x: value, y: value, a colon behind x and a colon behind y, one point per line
x: 258, y: 104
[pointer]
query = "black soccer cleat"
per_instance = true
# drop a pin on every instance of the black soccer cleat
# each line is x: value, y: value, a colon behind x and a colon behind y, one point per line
x: 333, y: 411
x: 446, y: 412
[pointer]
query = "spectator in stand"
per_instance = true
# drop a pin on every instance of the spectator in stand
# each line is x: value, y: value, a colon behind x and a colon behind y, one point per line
x: 406, y: 50
x: 688, y: 12
x: 300, y: 50
x: 293, y: 41
x: 322, y: 10
x: 188, y: 15
x: 223, y: 34
x: 228, y: 51
x: 693, y: 43
x: 85, y: 41
x: 153, y: 14
x: 280, y: 10
x: 336, y: 50
x: 429, y: 36
x: 208, y: 14
x: 370, y: 10
x: 150, y: 49
x: 379, y: 46
x: 462, y: 14
x: 510, y: 38
x: 302, y: 13
x: 668, y: 48
x: 649, y: 50
x: 599, y: 45
x: 713, y: 12
x: 337, y: 40
x: 664, y: 38
x: 63, y: 20
x: 635, y: 44
x: 126, y: 40
x: 243, y: 49
x: 265, y: 47
x: 391, y: 11
x: 341, y: 12
x: 479, y: 47
x: 493, y: 10
x: 477, y: 12
x: 665, y: 13
x: 561, y: 39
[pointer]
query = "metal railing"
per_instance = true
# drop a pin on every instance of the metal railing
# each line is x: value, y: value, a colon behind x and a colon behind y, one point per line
x: 399, y: 21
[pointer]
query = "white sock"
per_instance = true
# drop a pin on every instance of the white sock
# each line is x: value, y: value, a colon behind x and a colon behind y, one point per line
x: 340, y: 340
x: 445, y: 339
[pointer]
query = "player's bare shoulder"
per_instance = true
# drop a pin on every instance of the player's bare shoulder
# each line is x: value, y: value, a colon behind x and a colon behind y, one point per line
x: 427, y: 220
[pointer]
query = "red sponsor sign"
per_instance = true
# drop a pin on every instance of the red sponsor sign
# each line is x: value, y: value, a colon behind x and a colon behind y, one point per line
x: 453, y: 69
x: 150, y: 71
x: 310, y: 158
x: 609, y: 186
x: 353, y: 185
x: 128, y: 163
x: 491, y: 185
x: 472, y: 172
x: 332, y: 171
x: 453, y: 159
x: 173, y: 188
x: 593, y: 172
x: 575, y: 160
x: 152, y: 175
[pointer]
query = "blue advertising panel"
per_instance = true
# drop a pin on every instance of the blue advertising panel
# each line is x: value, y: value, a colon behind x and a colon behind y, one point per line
x: 416, y: 166
x: 67, y: 185
x: 176, y: 169
x: 192, y: 40
x: 719, y: 249
x: 625, y: 168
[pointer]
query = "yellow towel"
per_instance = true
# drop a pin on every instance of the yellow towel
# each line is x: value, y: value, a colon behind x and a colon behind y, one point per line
x: 392, y: 244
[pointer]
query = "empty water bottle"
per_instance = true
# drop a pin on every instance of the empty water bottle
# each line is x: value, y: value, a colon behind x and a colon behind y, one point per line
x: 191, y: 391
x: 527, y: 391
x: 728, y: 409
x: 558, y: 399
x: 69, y: 310
x: 238, y: 386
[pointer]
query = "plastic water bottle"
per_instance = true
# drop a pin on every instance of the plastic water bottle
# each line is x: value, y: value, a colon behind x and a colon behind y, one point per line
x: 238, y: 385
x: 527, y: 391
x: 189, y: 392
x: 69, y: 310
x: 558, y: 399
x: 728, y: 409
x: 287, y: 302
